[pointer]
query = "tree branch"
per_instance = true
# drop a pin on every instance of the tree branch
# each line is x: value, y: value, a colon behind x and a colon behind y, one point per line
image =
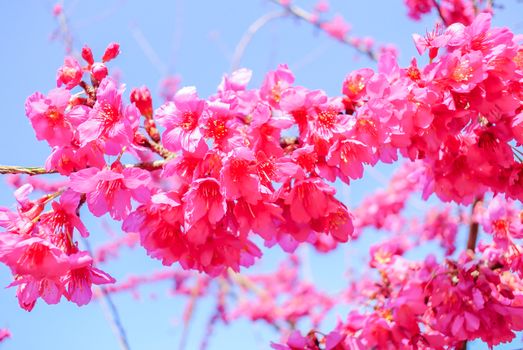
x: 471, y: 245
x: 15, y: 169
x: 474, y: 227
x: 249, y: 34
x: 440, y: 12
x: 110, y: 311
x: 301, y: 14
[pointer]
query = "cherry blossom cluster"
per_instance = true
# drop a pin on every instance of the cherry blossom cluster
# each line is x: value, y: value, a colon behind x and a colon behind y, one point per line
x: 201, y: 182
x: 450, y: 11
x: 426, y: 305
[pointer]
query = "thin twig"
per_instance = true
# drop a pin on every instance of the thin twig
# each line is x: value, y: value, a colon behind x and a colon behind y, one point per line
x: 14, y: 169
x: 301, y: 14
x: 440, y: 12
x: 249, y: 34
x: 195, y: 293
x: 111, y: 311
x: 474, y: 227
x: 148, y: 50
x: 113, y: 317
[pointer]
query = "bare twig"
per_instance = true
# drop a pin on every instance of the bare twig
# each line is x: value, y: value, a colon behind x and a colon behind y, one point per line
x: 113, y: 317
x: 440, y: 12
x: 195, y: 293
x: 249, y: 34
x: 301, y: 14
x: 471, y: 245
x: 14, y: 169
x: 110, y: 310
x: 148, y: 50
x: 474, y: 227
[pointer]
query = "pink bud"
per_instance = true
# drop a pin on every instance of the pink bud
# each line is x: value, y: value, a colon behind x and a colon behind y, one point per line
x: 99, y: 71
x: 142, y: 99
x: 57, y: 10
x: 111, y: 52
x: 322, y: 6
x: 87, y: 55
x: 70, y: 73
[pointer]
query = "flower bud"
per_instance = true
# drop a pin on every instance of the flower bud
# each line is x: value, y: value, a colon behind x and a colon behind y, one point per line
x: 111, y: 52
x: 141, y: 97
x: 87, y: 55
x: 99, y: 71
x: 69, y: 74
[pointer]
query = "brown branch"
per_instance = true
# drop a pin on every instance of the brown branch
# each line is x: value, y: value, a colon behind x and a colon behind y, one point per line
x: 471, y: 246
x: 157, y: 148
x: 14, y: 169
x: 474, y: 227
x: 301, y: 14
x: 440, y: 12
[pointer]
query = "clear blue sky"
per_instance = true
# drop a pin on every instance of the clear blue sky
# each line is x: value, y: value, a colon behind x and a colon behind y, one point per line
x: 194, y: 39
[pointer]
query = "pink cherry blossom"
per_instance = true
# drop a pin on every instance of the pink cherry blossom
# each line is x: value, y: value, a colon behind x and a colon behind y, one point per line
x: 110, y: 190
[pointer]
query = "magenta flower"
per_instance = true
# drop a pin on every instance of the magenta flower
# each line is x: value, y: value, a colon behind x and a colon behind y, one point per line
x: 70, y: 74
x: 39, y: 267
x: 337, y: 27
x: 309, y: 199
x: 462, y: 72
x: 275, y: 83
x: 79, y: 282
x: 108, y: 121
x: 204, y: 199
x: 110, y: 190
x: 48, y: 116
x: 349, y: 155
x: 239, y: 176
x: 181, y: 120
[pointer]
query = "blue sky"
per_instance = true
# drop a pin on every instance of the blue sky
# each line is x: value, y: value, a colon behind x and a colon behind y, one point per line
x: 195, y: 40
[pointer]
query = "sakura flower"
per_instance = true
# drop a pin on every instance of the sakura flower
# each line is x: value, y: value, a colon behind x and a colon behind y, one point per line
x: 239, y: 177
x: 108, y: 121
x: 181, y: 120
x: 62, y: 220
x: 70, y: 74
x: 204, y: 199
x: 349, y: 155
x: 80, y: 280
x: 501, y: 219
x: 48, y: 116
x: 237, y: 81
x: 309, y: 199
x: 110, y: 190
x: 275, y: 84
x: 69, y: 159
x: 159, y: 222
x: 336, y: 27
x: 417, y: 8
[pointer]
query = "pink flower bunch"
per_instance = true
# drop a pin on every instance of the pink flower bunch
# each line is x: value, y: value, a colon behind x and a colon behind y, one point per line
x: 253, y: 165
x: 427, y: 305
x: 280, y: 298
x: 458, y: 114
x: 451, y: 11
x: 382, y: 207
x: 40, y: 250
